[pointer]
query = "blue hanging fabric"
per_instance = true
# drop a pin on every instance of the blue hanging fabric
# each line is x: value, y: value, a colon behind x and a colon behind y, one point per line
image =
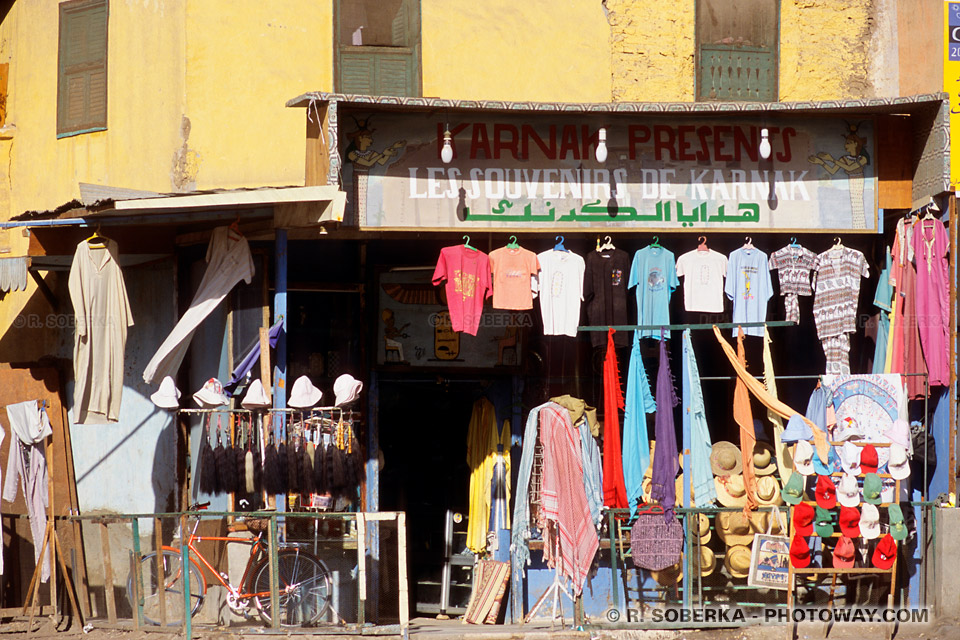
x: 704, y: 490
x: 636, y: 442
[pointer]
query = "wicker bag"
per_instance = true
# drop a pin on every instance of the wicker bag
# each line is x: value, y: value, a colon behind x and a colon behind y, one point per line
x: 257, y: 525
x: 655, y: 542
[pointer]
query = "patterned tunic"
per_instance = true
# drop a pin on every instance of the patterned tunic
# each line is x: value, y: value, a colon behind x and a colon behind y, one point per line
x: 794, y: 264
x: 836, y: 283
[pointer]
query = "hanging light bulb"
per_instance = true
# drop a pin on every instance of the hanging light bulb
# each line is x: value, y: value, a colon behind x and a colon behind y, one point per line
x: 446, y: 153
x: 765, y: 144
x: 602, y: 146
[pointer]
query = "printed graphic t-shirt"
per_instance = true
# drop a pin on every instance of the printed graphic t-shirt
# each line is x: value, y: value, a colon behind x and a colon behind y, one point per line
x: 703, y: 273
x: 466, y: 273
x: 605, y: 292
x: 513, y: 270
x: 654, y: 273
x: 561, y: 291
x: 748, y: 285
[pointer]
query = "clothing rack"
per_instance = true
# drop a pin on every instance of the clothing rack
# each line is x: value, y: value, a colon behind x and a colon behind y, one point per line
x: 682, y: 327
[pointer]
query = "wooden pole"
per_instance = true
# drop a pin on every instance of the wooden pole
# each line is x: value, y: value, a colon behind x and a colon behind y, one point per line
x: 108, y: 593
x: 161, y: 579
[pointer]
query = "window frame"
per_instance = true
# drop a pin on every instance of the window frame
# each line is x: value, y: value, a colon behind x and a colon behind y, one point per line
x: 68, y: 10
x: 380, y: 53
x: 698, y: 60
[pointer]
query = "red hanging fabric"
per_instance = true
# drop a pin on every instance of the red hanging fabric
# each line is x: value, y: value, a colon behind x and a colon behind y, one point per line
x: 614, y: 489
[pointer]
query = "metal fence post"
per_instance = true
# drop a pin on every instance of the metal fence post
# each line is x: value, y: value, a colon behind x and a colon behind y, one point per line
x: 274, y: 574
x: 137, y: 570
x: 185, y: 570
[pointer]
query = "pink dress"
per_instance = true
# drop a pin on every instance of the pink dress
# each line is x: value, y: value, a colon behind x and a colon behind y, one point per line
x: 932, y: 287
x: 466, y: 273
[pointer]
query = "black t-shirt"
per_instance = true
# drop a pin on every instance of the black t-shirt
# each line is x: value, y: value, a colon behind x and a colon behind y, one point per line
x: 605, y: 293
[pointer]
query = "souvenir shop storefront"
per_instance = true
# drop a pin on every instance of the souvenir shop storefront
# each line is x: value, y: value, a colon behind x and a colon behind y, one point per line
x: 542, y: 287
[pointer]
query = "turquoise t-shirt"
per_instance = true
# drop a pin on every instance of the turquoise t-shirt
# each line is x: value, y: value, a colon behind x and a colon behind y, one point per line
x: 748, y: 285
x: 654, y: 269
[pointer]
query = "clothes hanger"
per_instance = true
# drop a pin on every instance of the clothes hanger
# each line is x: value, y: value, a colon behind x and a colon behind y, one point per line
x: 559, y: 246
x: 748, y: 243
x: 607, y: 244
x: 794, y: 243
x: 513, y: 244
x: 647, y: 508
x: 703, y: 244
x: 97, y: 239
x: 656, y: 242
x: 466, y: 243
x: 837, y: 244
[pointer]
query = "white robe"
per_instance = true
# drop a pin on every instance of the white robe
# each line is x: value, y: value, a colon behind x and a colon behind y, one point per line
x: 102, y: 311
x: 228, y: 262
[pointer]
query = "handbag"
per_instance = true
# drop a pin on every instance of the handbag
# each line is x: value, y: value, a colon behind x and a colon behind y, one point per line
x: 655, y: 541
x: 770, y: 556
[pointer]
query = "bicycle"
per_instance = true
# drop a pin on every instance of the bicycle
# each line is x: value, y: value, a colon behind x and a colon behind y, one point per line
x: 303, y: 581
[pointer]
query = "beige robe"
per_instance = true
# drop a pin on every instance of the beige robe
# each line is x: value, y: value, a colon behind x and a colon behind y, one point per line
x: 102, y: 311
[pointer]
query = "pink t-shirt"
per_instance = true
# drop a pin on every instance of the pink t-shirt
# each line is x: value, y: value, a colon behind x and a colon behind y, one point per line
x: 512, y: 271
x: 467, y: 276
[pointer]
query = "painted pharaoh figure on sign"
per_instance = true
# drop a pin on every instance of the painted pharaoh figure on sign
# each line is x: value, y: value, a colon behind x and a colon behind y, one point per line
x: 363, y: 157
x: 852, y: 163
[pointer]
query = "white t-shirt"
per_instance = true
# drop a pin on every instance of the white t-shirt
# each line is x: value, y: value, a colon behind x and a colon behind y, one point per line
x: 703, y: 273
x: 561, y: 291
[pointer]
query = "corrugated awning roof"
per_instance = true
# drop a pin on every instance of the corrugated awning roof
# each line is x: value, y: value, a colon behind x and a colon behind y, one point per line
x: 899, y: 104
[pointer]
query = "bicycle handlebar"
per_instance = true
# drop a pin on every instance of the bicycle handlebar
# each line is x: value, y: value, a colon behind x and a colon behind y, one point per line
x: 198, y: 506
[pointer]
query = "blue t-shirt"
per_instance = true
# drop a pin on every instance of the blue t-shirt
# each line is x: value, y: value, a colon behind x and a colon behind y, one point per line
x: 748, y: 285
x: 655, y: 270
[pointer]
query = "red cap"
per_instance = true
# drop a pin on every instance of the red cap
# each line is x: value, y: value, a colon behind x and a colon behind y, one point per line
x: 868, y: 459
x: 826, y: 493
x: 803, y: 515
x: 885, y: 553
x: 799, y: 553
x: 850, y: 522
x: 844, y: 553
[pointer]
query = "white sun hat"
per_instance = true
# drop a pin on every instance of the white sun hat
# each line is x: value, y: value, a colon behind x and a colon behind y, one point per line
x: 167, y: 396
x: 346, y: 388
x: 210, y: 395
x: 304, y: 395
x: 256, y: 396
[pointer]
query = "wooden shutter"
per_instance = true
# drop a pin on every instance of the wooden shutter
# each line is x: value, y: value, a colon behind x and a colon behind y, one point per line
x: 82, y: 82
x: 357, y: 72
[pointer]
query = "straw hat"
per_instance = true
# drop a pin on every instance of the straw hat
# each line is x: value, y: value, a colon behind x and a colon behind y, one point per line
x: 669, y: 576
x: 703, y: 528
x: 706, y: 562
x: 734, y: 528
x: 725, y: 459
x: 768, y: 491
x: 763, y: 458
x: 737, y: 561
x: 731, y: 491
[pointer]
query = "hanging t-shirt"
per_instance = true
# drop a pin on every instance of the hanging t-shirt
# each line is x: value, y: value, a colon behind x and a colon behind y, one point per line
x: 748, y: 285
x: 794, y: 264
x: 605, y: 292
x: 512, y: 271
x: 837, y: 287
x: 466, y: 273
x: 703, y: 273
x: 655, y: 271
x: 561, y: 291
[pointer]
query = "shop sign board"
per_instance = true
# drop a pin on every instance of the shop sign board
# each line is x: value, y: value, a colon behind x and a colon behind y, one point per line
x: 539, y: 172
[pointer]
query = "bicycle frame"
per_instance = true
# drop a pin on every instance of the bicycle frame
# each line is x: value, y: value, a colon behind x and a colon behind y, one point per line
x: 256, y: 543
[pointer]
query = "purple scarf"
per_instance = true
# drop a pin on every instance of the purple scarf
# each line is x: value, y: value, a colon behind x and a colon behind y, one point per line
x: 665, y: 465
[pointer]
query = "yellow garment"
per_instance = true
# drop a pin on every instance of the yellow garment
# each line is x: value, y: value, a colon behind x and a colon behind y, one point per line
x: 482, y: 439
x: 755, y: 387
x: 784, y: 458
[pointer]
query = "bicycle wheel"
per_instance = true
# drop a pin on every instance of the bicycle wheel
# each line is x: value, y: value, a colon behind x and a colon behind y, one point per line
x: 171, y: 590
x: 303, y: 586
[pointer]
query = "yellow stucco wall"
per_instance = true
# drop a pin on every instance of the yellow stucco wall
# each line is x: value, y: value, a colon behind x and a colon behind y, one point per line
x: 652, y: 49
x: 242, y: 65
x: 537, y: 50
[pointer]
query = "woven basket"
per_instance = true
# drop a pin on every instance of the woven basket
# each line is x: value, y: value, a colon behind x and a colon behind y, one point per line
x: 257, y: 525
x: 655, y: 542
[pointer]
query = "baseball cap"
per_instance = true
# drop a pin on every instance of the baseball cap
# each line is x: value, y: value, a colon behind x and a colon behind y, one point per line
x: 826, y: 468
x: 803, y: 519
x: 868, y: 459
x: 823, y: 522
x: 826, y: 492
x: 899, y: 464
x: 885, y: 553
x: 799, y: 552
x: 850, y: 522
x: 844, y: 553
x: 848, y: 491
x: 792, y: 492
x: 803, y: 458
x: 869, y: 522
x: 850, y: 458
x: 895, y: 517
x: 872, y: 486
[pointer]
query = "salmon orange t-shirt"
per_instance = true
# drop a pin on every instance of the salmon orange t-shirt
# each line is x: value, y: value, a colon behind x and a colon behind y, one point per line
x: 513, y: 271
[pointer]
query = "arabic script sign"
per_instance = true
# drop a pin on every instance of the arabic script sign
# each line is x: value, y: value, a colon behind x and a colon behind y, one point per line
x: 540, y: 172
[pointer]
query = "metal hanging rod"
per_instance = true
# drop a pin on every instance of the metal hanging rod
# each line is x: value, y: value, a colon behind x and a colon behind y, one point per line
x: 681, y: 327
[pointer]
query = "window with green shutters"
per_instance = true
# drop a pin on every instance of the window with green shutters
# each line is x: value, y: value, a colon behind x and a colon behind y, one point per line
x: 737, y: 57
x: 378, y: 47
x: 82, y: 68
